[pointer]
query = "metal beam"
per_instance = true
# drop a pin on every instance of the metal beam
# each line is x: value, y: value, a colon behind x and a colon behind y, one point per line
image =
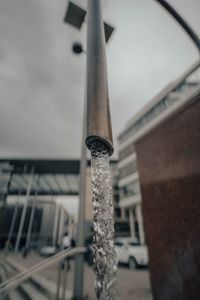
x: 63, y: 181
x: 46, y: 193
x: 14, y: 216
x: 45, y: 179
x: 24, y: 212
x: 18, y: 180
x: 80, y: 238
x: 185, y: 25
x: 58, y: 184
x: 28, y: 237
x: 45, y: 186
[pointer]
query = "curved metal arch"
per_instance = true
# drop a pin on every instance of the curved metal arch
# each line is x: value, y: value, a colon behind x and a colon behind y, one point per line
x: 187, y: 28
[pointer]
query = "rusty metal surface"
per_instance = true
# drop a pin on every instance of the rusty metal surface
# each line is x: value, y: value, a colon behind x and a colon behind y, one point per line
x: 169, y: 168
x: 98, y: 111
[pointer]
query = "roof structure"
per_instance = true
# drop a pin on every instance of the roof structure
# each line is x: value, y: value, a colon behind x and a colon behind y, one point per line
x: 49, y: 177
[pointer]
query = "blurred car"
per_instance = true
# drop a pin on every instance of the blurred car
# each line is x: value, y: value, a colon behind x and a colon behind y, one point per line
x: 48, y: 251
x: 130, y: 252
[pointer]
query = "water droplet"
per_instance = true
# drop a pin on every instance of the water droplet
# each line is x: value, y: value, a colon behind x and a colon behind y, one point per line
x: 105, y: 259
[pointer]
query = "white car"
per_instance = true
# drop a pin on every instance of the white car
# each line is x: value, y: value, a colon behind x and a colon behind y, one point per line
x: 130, y: 252
x: 48, y: 251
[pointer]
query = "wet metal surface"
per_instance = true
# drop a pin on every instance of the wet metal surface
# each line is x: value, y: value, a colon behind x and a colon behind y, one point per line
x: 98, y: 110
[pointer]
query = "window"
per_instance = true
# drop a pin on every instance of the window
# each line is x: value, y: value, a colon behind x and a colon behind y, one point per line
x: 134, y: 244
x: 119, y: 244
x: 130, y: 189
x: 126, y: 151
x: 128, y: 169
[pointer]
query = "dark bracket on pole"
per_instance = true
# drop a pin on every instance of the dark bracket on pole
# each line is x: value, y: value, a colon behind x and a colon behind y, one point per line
x: 75, y: 16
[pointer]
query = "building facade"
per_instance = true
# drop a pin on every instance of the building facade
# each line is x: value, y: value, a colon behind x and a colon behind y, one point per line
x: 50, y: 222
x: 163, y: 105
x: 36, y: 185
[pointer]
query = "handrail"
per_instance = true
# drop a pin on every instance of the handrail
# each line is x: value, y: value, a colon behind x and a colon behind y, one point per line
x: 35, y: 266
x: 16, y: 280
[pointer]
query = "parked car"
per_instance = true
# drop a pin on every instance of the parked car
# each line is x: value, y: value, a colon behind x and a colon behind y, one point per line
x: 129, y: 251
x: 48, y: 250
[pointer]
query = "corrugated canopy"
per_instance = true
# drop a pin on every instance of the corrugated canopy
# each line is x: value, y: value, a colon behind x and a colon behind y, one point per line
x: 50, y: 177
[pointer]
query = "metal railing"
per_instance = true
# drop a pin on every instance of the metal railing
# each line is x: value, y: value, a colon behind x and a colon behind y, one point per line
x: 16, y: 280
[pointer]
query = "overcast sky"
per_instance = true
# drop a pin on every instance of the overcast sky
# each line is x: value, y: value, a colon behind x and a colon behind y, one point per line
x: 42, y: 82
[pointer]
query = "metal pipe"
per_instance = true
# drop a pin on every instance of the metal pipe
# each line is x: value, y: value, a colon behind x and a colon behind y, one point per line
x: 21, y: 226
x: 12, y: 223
x: 44, y: 264
x: 80, y: 236
x: 55, y: 227
x: 58, y: 281
x: 14, y: 214
x: 193, y: 36
x: 64, y: 279
x: 98, y: 119
x: 28, y: 237
x: 17, y: 279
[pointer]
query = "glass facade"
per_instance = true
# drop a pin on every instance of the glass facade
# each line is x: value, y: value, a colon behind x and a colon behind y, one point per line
x: 128, y: 169
x: 126, y: 151
x: 192, y: 81
x: 130, y: 189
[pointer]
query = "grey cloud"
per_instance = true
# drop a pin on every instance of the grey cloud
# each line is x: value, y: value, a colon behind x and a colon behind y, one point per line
x: 42, y: 83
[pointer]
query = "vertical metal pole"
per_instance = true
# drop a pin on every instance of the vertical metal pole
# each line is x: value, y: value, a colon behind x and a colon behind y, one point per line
x: 61, y: 227
x: 96, y: 108
x: 12, y: 223
x: 70, y: 227
x: 24, y: 211
x: 51, y: 223
x: 55, y: 229
x: 98, y: 119
x: 58, y: 281
x: 132, y: 222
x: 49, y: 232
x: 4, y: 194
x: 13, y: 220
x: 8, y: 186
x: 64, y: 279
x: 28, y: 238
x: 140, y: 223
x: 14, y: 215
x: 80, y: 239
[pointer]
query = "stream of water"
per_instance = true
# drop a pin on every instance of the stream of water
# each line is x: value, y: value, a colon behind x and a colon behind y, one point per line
x: 104, y: 255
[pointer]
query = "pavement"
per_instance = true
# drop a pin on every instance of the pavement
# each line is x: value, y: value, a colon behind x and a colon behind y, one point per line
x: 133, y: 285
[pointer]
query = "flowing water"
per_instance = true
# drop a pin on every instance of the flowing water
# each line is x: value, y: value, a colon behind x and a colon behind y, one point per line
x: 104, y: 255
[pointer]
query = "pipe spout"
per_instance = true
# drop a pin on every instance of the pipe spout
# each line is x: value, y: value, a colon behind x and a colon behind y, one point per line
x: 98, y: 110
